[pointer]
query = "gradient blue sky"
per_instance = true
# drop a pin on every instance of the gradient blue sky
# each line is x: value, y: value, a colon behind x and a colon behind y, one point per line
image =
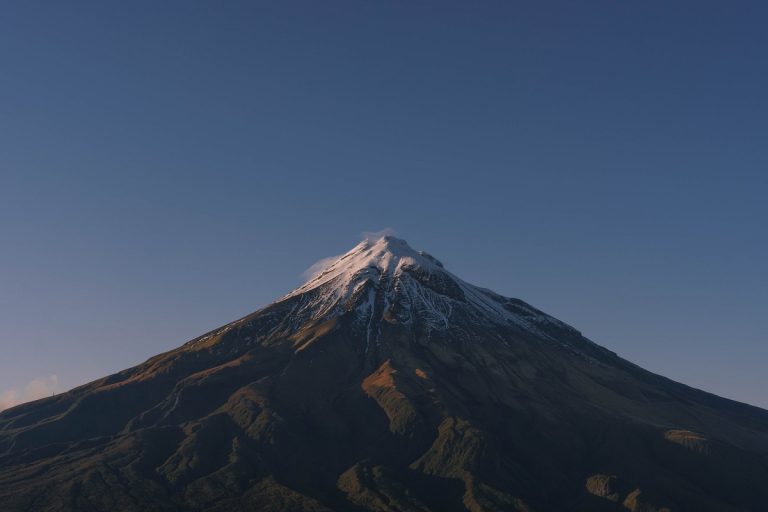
x: 166, y: 167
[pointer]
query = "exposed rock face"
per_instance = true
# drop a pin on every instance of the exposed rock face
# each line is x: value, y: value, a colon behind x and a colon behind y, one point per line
x: 386, y: 384
x: 604, y: 486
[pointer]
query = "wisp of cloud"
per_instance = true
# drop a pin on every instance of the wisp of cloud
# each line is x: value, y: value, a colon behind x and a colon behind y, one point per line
x: 320, y: 265
x: 36, y: 389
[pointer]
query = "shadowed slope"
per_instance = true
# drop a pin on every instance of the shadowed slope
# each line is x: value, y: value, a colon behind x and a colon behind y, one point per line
x: 386, y: 383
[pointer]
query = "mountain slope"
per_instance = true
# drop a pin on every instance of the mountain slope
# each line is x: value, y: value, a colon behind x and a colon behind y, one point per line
x: 386, y: 383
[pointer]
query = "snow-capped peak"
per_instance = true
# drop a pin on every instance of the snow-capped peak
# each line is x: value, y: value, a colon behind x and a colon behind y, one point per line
x: 386, y: 279
x: 386, y: 255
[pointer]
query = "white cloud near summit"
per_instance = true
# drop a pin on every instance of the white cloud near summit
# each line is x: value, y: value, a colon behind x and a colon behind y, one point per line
x: 372, y: 236
x: 317, y: 267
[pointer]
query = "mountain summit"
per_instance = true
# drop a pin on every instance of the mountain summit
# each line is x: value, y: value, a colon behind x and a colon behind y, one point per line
x: 386, y: 280
x: 386, y: 383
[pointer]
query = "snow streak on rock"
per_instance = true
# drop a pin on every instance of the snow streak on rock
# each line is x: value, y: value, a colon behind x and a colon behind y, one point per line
x: 387, y: 280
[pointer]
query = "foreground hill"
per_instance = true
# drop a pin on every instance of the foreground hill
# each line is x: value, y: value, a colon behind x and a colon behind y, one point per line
x: 386, y: 383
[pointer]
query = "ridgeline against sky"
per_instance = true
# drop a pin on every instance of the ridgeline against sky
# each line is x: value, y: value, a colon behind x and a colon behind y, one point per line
x: 165, y: 166
x: 386, y: 383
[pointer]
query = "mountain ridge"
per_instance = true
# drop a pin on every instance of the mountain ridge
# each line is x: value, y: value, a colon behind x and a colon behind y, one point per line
x: 386, y: 383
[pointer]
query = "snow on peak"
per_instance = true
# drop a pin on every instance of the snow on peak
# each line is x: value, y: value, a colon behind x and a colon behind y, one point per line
x: 385, y: 277
x: 386, y: 255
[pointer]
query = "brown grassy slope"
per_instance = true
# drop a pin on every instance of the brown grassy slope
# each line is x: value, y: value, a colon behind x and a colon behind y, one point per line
x: 262, y: 416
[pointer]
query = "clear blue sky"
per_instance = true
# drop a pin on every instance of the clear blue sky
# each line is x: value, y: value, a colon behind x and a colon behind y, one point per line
x: 166, y: 167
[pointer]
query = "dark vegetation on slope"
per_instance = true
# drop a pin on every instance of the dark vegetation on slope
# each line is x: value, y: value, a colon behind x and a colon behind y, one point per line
x: 281, y: 411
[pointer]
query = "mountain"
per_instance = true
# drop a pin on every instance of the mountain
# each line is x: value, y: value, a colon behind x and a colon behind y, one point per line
x: 386, y: 383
